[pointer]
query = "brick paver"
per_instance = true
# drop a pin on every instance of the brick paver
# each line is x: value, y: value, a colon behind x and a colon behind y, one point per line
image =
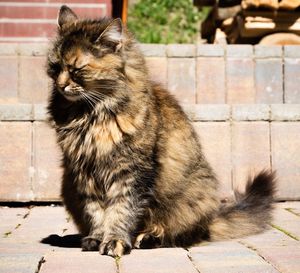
x: 211, y: 87
x: 46, y: 163
x: 288, y: 221
x: 291, y: 72
x: 215, y: 140
x: 229, y: 257
x: 250, y: 150
x: 21, y: 250
x: 15, y: 154
x: 9, y: 78
x: 24, y: 263
x: 33, y: 82
x: 157, y: 67
x: 269, y: 82
x: 87, y: 262
x: 240, y: 80
x: 158, y: 261
x: 182, y: 79
x: 285, y: 146
x: 11, y: 218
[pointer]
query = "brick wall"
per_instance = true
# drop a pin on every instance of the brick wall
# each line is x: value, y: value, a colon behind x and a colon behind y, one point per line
x: 244, y: 102
x: 35, y: 20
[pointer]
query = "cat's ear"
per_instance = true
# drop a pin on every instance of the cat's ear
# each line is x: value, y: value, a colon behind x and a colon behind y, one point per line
x: 113, y: 34
x: 66, y: 16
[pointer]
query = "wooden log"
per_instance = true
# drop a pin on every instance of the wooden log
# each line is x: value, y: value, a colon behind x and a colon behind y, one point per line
x: 289, y: 4
x: 256, y: 4
x: 255, y: 27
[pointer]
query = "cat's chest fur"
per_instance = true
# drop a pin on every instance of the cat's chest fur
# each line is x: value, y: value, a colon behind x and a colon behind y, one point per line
x: 94, y: 137
x: 89, y: 139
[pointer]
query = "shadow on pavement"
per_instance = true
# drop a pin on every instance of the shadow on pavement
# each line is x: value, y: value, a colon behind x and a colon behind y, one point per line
x: 69, y: 241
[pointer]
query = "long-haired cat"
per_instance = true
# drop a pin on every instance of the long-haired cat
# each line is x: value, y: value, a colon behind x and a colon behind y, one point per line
x: 134, y: 172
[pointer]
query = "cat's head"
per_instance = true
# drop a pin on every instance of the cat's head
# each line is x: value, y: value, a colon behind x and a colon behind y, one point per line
x: 87, y: 58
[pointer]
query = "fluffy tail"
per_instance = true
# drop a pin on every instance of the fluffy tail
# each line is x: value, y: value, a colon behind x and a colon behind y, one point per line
x: 250, y: 213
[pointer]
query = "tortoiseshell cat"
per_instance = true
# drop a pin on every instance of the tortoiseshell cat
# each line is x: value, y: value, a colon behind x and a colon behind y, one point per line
x: 134, y: 172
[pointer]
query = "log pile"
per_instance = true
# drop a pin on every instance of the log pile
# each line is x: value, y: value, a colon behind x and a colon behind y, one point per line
x: 248, y: 21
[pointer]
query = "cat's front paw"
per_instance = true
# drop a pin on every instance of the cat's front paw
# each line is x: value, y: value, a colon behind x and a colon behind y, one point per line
x: 114, y: 248
x: 90, y: 244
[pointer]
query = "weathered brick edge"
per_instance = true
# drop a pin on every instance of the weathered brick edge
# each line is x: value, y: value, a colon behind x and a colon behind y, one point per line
x: 195, y: 112
x: 171, y: 50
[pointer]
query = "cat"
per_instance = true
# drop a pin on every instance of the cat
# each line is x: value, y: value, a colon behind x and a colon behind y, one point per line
x: 134, y: 172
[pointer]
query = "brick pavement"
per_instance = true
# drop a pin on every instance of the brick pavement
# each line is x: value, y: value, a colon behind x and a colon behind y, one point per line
x: 21, y: 250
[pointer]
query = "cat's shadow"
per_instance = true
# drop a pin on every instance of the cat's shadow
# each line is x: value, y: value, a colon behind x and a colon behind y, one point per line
x: 68, y: 241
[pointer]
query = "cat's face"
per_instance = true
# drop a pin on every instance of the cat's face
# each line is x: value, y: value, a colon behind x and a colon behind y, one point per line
x: 86, y: 61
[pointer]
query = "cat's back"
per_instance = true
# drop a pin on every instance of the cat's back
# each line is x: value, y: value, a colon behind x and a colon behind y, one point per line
x: 173, y: 118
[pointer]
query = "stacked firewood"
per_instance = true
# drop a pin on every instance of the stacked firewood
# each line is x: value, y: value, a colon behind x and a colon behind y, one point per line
x: 271, y: 4
x: 248, y: 21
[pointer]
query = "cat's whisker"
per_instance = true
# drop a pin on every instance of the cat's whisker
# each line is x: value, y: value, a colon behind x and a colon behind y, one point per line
x: 88, y: 100
x: 97, y: 96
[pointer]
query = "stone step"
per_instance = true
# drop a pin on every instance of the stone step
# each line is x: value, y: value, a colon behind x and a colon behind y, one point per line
x: 238, y: 140
x: 204, y: 74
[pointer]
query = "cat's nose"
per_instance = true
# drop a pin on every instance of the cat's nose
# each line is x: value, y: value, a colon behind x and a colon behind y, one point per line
x: 63, y: 79
x: 67, y: 88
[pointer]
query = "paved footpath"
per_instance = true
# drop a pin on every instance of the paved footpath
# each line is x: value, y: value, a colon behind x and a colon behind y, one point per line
x: 44, y: 240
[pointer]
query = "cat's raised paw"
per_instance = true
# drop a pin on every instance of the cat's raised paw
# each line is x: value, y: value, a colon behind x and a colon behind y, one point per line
x: 90, y: 244
x: 114, y: 248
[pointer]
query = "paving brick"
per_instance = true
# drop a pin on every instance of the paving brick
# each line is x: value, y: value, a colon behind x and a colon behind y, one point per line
x: 271, y: 238
x: 33, y: 82
x: 250, y: 112
x: 239, y: 51
x: 285, y: 258
x: 9, y: 78
x: 291, y: 51
x: 288, y: 222
x: 240, y: 80
x: 25, y: 263
x: 229, y: 257
x: 88, y: 262
x: 286, y: 157
x: 33, y: 49
x: 285, y: 112
x: 40, y: 223
x: 40, y: 112
x: 153, y: 50
x: 215, y: 140
x: 291, y: 80
x: 291, y: 206
x: 269, y: 81
x: 15, y: 112
x: 10, y: 219
x: 207, y: 112
x: 211, y: 85
x: 262, y: 51
x: 210, y: 50
x: 181, y: 50
x: 48, y: 173
x: 181, y: 79
x: 157, y: 260
x: 9, y: 49
x: 15, y: 160
x: 250, y: 150
x: 158, y: 69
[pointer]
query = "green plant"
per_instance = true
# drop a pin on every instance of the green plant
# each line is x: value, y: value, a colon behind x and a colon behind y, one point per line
x: 165, y: 21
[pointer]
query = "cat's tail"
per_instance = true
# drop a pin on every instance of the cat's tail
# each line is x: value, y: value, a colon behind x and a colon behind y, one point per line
x: 250, y: 213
